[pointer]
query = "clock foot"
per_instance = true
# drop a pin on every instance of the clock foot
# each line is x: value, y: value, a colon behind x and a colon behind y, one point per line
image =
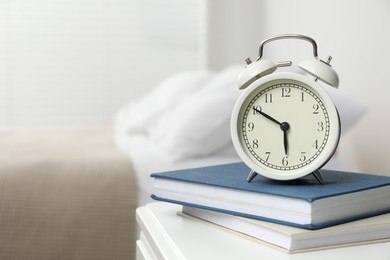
x: 251, y: 176
x: 318, y: 176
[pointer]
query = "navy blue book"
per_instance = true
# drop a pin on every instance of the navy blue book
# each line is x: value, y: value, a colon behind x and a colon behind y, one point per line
x: 304, y: 203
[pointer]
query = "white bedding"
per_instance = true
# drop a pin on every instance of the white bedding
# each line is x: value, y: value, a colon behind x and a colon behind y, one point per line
x: 185, y: 122
x: 147, y: 158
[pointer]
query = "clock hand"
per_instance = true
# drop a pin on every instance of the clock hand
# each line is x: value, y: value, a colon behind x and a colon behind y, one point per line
x: 283, y: 126
x: 267, y: 116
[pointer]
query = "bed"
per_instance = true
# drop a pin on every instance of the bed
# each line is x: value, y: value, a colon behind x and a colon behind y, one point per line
x: 72, y: 193
x: 65, y: 194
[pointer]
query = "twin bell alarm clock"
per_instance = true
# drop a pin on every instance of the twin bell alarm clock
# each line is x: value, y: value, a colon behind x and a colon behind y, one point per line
x: 284, y: 125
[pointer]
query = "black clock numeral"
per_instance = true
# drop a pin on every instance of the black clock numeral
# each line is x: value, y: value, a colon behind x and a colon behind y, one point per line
x: 302, y: 96
x: 316, y: 107
x: 285, y: 161
x: 320, y: 126
x: 268, y: 98
x: 315, y: 144
x: 256, y: 110
x: 268, y: 155
x: 286, y: 92
x: 255, y: 144
x: 251, y: 126
x: 303, y: 157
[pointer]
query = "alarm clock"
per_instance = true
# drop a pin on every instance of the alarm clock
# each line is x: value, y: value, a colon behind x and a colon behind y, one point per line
x: 284, y: 125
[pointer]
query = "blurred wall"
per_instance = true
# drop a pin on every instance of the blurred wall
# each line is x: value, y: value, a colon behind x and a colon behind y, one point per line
x: 355, y: 33
x: 75, y: 62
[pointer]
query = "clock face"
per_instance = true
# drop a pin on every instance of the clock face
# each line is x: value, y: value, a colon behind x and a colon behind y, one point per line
x: 284, y: 127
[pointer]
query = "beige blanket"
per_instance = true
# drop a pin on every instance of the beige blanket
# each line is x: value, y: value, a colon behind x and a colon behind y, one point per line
x: 65, y: 194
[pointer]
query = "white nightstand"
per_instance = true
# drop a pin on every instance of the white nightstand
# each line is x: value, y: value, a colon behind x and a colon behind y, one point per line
x: 165, y: 235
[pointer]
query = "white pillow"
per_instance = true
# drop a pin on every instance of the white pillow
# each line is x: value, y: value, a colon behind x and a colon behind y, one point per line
x: 350, y: 111
x: 188, y: 115
x: 200, y: 124
x: 141, y: 116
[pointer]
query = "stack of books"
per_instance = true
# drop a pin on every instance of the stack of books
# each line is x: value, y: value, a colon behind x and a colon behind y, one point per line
x: 299, y: 215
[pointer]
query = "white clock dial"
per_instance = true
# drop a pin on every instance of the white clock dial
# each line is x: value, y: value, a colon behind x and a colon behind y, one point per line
x: 284, y: 127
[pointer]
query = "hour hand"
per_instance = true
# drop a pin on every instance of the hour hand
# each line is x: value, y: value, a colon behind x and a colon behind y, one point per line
x: 267, y: 116
x: 283, y: 126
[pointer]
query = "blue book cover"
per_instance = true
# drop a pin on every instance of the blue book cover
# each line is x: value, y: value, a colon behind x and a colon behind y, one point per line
x: 233, y: 177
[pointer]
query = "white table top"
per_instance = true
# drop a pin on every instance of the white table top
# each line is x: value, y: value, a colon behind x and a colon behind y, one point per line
x: 175, y: 237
